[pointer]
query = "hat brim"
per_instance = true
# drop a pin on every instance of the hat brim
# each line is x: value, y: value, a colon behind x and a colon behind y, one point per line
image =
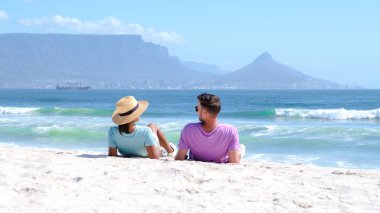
x: 120, y: 120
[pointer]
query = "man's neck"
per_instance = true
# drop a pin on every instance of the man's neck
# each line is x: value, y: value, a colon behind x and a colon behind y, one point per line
x: 209, y: 126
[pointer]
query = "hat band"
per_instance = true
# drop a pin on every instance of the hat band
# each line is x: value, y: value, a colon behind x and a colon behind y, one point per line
x: 130, y: 111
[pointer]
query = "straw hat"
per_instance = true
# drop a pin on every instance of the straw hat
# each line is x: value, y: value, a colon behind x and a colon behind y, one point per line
x: 128, y: 109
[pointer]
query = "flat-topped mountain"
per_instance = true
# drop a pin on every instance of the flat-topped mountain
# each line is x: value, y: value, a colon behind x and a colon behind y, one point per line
x: 126, y: 61
x: 26, y: 59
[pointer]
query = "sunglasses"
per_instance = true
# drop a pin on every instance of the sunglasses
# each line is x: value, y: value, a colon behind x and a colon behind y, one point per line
x: 196, y: 108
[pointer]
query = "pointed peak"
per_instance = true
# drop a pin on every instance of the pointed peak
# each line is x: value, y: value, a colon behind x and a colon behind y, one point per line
x: 264, y: 57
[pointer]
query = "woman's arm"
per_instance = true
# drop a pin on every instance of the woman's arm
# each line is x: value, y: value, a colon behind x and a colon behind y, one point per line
x: 112, y: 151
x: 153, y: 152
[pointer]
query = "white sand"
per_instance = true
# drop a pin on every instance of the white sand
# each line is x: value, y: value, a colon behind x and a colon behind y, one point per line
x: 35, y: 180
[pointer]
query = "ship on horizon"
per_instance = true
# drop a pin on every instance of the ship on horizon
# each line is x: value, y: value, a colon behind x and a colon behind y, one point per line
x: 71, y: 87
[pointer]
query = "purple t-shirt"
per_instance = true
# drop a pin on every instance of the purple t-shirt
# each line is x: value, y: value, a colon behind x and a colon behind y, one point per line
x: 209, y: 146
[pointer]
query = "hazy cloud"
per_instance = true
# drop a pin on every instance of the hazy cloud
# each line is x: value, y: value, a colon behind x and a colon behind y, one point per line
x: 169, y: 37
x: 3, y: 15
x: 108, y: 25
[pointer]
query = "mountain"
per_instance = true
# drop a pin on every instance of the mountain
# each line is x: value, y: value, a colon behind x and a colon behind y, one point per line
x: 123, y: 60
x: 202, y: 67
x: 266, y: 73
x: 126, y: 61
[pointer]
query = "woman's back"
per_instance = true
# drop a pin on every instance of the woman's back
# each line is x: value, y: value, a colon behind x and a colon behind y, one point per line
x: 132, y: 144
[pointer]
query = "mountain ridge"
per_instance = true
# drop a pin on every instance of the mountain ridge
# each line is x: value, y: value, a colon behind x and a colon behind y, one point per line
x: 126, y: 61
x: 266, y: 73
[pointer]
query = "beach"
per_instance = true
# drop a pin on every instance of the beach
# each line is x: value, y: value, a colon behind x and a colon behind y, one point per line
x: 54, y: 180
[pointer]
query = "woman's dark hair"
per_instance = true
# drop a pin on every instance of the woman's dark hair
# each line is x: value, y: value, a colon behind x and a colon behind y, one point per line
x: 210, y: 102
x: 124, y: 128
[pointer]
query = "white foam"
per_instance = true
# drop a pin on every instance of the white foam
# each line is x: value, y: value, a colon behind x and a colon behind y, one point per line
x: 330, y: 114
x: 289, y: 159
x: 5, y: 120
x: 9, y: 144
x: 300, y: 159
x: 16, y: 110
x: 45, y: 129
x: 341, y: 163
x: 255, y: 156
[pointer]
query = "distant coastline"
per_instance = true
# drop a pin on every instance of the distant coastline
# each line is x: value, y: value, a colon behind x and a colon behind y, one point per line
x: 71, y: 87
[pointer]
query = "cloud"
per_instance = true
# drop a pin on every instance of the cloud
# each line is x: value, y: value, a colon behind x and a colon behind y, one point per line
x: 3, y: 15
x: 108, y: 25
x: 169, y: 37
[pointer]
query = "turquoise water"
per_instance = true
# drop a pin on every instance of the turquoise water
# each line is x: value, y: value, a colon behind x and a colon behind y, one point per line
x: 326, y: 128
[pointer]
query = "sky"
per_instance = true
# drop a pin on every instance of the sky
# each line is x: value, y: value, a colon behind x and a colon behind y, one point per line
x: 332, y: 40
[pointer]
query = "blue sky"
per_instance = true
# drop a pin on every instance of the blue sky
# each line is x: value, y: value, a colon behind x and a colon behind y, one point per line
x: 334, y: 40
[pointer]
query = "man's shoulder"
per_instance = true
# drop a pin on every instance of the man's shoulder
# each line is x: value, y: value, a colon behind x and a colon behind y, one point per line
x: 191, y: 126
x: 227, y: 126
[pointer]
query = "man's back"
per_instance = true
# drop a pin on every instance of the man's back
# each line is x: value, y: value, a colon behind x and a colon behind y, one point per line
x: 209, y: 146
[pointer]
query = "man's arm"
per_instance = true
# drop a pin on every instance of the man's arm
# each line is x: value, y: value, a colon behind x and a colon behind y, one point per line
x: 181, y: 154
x: 234, y: 156
x: 112, y: 151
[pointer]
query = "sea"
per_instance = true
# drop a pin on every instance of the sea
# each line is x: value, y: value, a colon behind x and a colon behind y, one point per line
x: 331, y: 128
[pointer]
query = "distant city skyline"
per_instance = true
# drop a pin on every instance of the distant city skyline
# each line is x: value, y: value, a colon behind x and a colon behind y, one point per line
x: 332, y: 40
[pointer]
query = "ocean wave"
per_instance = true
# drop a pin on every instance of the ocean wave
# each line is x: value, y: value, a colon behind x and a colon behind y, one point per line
x: 54, y: 132
x: 250, y: 114
x: 17, y: 110
x: 330, y: 114
x: 264, y: 130
x: 56, y: 111
x: 75, y: 111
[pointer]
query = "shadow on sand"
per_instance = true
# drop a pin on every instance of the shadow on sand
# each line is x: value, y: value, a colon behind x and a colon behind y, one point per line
x: 92, y: 156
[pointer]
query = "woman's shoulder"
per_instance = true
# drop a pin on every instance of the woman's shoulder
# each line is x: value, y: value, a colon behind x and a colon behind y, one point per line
x: 143, y: 129
x: 114, y: 128
x: 112, y: 131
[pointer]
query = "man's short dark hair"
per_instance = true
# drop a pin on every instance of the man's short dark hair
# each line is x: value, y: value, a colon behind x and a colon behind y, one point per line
x: 210, y: 102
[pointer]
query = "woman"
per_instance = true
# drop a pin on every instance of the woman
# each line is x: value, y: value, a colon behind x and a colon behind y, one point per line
x: 136, y: 141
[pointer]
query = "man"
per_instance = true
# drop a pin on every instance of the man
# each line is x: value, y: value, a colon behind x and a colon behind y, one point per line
x: 208, y: 140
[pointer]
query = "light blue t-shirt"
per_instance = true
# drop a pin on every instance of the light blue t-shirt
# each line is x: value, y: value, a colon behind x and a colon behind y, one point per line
x: 133, y: 144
